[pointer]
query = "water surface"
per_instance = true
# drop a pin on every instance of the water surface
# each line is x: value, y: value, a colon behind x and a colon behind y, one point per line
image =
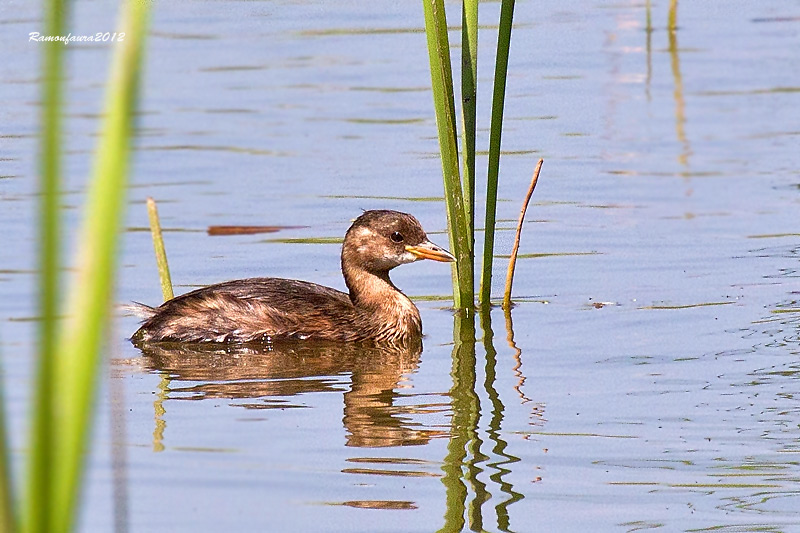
x: 647, y: 377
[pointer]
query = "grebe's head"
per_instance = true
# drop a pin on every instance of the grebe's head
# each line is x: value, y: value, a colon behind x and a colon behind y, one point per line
x: 378, y: 241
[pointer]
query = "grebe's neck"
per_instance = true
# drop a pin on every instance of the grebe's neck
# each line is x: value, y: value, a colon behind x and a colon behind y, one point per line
x: 371, y: 290
x: 384, y: 309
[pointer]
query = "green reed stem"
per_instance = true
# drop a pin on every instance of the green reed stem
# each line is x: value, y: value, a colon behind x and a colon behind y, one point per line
x: 469, y: 93
x: 81, y: 336
x: 161, y: 252
x: 496, y: 129
x: 444, y: 103
x: 37, y: 497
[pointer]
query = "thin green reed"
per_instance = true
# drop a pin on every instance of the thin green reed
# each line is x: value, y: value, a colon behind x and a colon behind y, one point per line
x: 469, y: 94
x: 443, y: 99
x: 461, y: 209
x: 495, y: 134
x: 37, y: 497
x: 160, y: 250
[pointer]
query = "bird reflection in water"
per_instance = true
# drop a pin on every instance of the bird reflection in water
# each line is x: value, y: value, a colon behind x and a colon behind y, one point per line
x: 271, y: 375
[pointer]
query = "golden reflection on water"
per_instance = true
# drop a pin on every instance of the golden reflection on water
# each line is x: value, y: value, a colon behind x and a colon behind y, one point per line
x: 517, y: 356
x: 675, y: 66
x: 476, y: 466
x: 680, y: 102
x: 270, y: 376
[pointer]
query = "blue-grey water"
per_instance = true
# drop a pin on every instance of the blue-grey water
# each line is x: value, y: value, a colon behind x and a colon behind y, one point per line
x: 649, y: 376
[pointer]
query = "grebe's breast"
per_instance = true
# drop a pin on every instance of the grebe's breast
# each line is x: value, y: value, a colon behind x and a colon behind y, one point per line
x: 396, y: 320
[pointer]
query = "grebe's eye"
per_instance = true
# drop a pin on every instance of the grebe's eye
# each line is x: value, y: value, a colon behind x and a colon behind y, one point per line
x: 397, y: 236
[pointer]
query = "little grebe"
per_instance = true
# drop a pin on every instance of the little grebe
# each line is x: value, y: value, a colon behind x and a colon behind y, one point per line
x: 265, y: 309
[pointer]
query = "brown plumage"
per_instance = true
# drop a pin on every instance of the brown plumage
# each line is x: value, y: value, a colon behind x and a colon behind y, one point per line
x: 266, y: 309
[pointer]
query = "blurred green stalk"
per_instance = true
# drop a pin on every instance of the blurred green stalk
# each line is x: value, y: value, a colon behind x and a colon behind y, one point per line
x: 37, y: 498
x: 69, y: 352
x: 81, y: 338
x: 7, y: 516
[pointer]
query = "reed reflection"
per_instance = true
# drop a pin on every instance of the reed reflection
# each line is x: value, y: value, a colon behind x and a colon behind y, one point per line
x: 680, y: 103
x: 466, y: 490
x: 272, y: 376
x: 459, y: 469
x: 517, y: 356
x: 503, y: 460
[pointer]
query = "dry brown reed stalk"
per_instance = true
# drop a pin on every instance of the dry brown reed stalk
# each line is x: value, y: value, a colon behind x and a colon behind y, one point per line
x: 512, y: 263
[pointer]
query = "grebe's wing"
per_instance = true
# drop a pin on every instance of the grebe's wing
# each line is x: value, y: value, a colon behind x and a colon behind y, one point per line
x: 256, y: 309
